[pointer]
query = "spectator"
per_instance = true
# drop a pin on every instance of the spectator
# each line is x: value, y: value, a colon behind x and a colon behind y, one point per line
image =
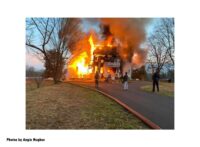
x: 96, y: 79
x: 125, y: 81
x: 155, y: 79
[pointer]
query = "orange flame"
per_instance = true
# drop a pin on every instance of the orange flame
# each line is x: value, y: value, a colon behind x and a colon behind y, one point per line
x: 92, y: 48
x: 80, y: 64
x: 109, y: 42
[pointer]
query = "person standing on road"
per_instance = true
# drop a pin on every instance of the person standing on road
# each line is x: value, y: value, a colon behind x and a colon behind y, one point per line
x: 109, y: 77
x: 96, y: 79
x: 125, y: 81
x: 155, y: 79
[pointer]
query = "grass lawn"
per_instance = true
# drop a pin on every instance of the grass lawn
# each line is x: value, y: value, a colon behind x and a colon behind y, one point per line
x: 31, y: 84
x: 166, y: 89
x: 65, y: 106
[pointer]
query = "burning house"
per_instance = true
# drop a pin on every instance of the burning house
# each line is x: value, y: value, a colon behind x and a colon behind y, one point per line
x: 102, y: 58
x: 107, y: 61
x: 110, y: 53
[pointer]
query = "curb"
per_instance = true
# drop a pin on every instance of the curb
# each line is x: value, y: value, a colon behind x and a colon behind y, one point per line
x: 140, y: 116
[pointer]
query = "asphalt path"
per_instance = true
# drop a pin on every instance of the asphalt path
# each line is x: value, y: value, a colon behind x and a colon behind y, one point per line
x: 159, y: 109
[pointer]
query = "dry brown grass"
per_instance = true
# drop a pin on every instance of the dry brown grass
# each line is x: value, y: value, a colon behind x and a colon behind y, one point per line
x: 66, y: 106
x: 31, y: 84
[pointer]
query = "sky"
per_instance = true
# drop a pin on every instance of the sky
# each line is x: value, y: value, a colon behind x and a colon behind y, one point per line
x: 32, y: 60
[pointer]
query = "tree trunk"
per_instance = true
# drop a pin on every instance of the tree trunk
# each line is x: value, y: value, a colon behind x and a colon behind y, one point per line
x: 55, y: 81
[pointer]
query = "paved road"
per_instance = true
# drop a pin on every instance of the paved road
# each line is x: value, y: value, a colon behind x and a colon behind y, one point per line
x: 158, y: 109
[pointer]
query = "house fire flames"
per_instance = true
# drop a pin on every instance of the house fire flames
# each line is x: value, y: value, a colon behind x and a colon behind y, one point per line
x: 102, y: 58
x: 108, y: 53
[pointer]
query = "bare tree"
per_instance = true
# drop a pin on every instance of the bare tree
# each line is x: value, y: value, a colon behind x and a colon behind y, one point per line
x: 161, y: 44
x: 34, y: 75
x: 166, y: 34
x: 54, y: 66
x: 47, y: 35
x: 157, y: 56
